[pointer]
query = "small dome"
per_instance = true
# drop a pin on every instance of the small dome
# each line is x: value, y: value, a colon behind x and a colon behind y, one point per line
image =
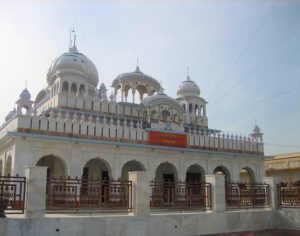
x: 102, y: 86
x: 160, y: 98
x: 138, y: 76
x: 25, y: 95
x: 256, y: 129
x: 10, y: 115
x: 73, y: 62
x: 188, y: 88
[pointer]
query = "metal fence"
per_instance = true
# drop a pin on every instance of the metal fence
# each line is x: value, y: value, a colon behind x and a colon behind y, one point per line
x: 246, y: 195
x: 88, y: 195
x: 180, y: 195
x: 288, y: 194
x: 12, y: 194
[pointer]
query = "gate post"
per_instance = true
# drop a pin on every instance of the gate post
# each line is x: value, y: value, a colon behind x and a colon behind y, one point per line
x: 140, y: 192
x: 273, y: 191
x: 36, y: 191
x: 218, y: 191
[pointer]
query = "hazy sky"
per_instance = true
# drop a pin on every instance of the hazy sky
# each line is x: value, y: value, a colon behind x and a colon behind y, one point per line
x: 244, y: 55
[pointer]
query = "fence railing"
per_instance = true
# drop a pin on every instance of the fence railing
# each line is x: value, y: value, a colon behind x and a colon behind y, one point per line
x: 180, y: 195
x: 89, y: 195
x: 288, y: 194
x: 12, y: 194
x: 246, y: 195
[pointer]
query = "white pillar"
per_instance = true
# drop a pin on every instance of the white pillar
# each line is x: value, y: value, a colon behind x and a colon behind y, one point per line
x: 36, y: 191
x: 273, y: 181
x: 217, y: 191
x: 140, y: 192
x: 133, y: 97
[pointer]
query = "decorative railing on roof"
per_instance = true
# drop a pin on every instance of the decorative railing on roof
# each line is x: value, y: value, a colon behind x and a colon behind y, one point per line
x: 125, y: 130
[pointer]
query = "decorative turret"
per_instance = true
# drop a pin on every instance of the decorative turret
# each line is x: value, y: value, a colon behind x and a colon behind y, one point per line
x: 24, y: 104
x: 188, y: 95
x: 103, y: 92
x: 135, y: 81
x: 257, y: 134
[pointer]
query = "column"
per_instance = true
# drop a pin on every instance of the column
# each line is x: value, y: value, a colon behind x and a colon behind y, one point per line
x: 36, y: 191
x: 217, y: 191
x: 273, y: 181
x: 140, y: 192
x: 133, y: 97
x: 122, y: 98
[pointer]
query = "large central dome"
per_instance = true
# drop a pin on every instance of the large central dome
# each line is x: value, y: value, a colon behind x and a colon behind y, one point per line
x: 76, y: 63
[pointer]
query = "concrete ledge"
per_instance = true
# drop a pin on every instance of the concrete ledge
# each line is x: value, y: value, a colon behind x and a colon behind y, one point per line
x: 151, y: 225
x: 266, y: 232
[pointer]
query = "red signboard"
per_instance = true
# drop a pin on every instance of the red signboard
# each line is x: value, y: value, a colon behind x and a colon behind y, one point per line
x: 167, y: 139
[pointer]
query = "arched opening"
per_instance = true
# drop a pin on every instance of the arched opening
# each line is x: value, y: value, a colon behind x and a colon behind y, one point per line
x: 81, y: 90
x: 142, y: 92
x: 166, y: 172
x: 65, y: 87
x: 195, y: 173
x: 7, y: 169
x: 197, y: 110
x: 165, y: 115
x: 176, y: 118
x: 128, y: 94
x: 131, y: 166
x: 184, y: 107
x: 190, y: 108
x: 24, y: 110
x: 96, y: 169
x: 154, y: 115
x: 201, y: 112
x: 56, y: 166
x: 221, y: 170
x: 74, y: 89
x: 247, y: 175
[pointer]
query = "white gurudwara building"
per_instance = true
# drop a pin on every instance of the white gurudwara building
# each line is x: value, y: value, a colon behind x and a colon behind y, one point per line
x: 75, y: 128
x: 144, y: 164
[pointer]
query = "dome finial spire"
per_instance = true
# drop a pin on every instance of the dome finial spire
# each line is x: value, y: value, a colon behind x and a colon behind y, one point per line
x: 188, y: 73
x: 137, y: 69
x: 70, y: 38
x: 74, y: 45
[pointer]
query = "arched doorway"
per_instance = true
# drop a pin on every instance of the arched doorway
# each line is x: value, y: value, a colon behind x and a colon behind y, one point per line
x: 56, y: 166
x: 131, y: 166
x: 96, y: 169
x: 247, y: 175
x: 195, y: 173
x: 166, y: 172
x: 221, y: 170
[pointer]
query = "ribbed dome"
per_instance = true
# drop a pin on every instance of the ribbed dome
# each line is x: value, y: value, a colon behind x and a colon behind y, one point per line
x: 136, y: 75
x: 160, y: 98
x: 10, y: 114
x: 76, y: 63
x: 25, y: 95
x: 188, y: 88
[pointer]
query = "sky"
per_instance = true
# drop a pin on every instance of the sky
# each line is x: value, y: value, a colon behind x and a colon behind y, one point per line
x: 244, y: 55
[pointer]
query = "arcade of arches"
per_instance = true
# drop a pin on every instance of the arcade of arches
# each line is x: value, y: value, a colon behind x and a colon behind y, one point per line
x: 98, y: 168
